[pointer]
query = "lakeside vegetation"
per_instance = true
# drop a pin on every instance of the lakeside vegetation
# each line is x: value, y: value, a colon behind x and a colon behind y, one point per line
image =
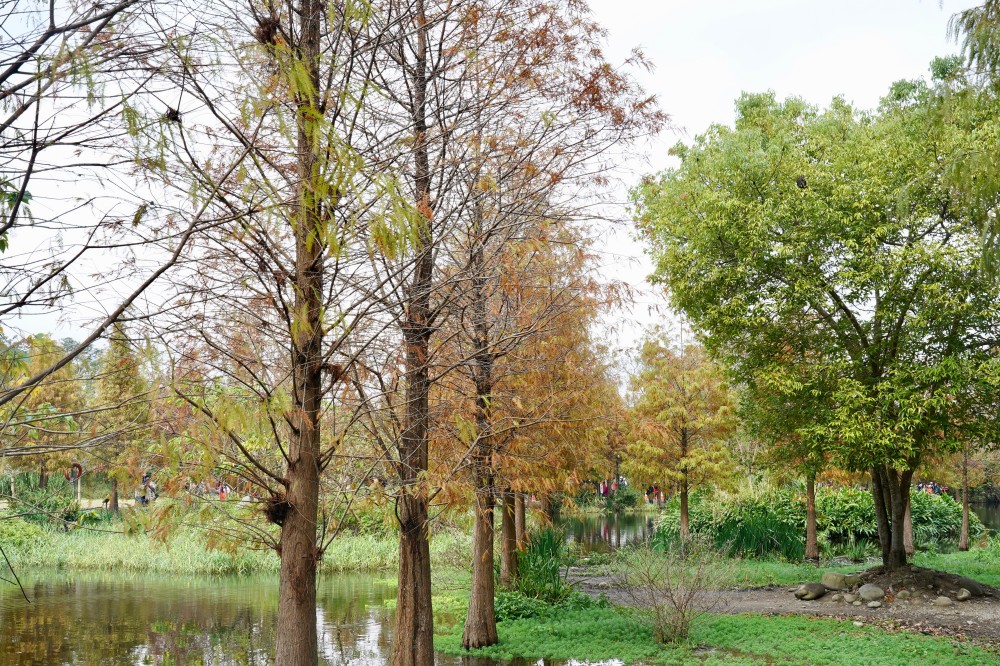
x: 730, y: 640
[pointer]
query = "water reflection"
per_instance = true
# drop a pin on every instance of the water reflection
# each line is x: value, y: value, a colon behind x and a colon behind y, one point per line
x: 989, y: 514
x: 102, y: 620
x: 604, y: 532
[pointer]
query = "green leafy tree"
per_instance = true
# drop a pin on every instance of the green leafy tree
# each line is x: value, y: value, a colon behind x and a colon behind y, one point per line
x: 829, y: 263
x: 122, y: 399
x: 681, y: 417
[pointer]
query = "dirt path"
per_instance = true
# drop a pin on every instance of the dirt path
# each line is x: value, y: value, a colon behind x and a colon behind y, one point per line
x: 978, y: 618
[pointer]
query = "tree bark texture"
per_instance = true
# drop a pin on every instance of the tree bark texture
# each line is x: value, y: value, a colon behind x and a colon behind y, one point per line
x: 508, y: 542
x: 113, y: 501
x: 685, y: 530
x: 812, y: 544
x: 480, y: 620
x: 519, y: 526
x: 891, y: 492
x: 963, y: 537
x: 413, y: 642
x: 296, y: 643
x: 414, y: 633
x: 908, y: 531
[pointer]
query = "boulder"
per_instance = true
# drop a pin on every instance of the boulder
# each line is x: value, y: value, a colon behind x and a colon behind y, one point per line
x: 874, y: 604
x: 834, y: 580
x: 943, y: 601
x: 972, y: 586
x: 963, y: 595
x: 810, y: 591
x: 852, y: 580
x: 870, y: 592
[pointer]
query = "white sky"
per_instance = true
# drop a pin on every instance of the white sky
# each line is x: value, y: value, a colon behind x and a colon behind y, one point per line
x: 707, y: 52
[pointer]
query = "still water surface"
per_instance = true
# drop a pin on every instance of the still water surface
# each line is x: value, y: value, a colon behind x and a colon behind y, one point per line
x: 602, y: 533
x: 988, y: 513
x: 103, y: 619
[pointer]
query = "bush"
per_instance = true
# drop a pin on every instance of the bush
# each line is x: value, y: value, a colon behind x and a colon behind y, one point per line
x: 939, y: 518
x: 539, y: 566
x: 18, y: 533
x: 55, y: 505
x: 846, y: 514
x: 773, y: 522
x: 753, y: 525
x: 670, y: 591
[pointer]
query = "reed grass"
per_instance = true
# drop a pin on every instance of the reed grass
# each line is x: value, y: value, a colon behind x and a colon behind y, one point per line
x: 185, y: 552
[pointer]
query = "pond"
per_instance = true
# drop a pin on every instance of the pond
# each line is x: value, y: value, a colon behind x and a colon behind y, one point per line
x: 604, y: 532
x: 85, y: 618
x: 988, y: 513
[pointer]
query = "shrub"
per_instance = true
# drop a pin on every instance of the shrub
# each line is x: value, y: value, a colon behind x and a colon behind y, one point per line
x: 939, y: 518
x: 540, y: 566
x: 751, y: 525
x: 846, y: 513
x: 773, y: 522
x: 669, y: 591
x: 18, y: 533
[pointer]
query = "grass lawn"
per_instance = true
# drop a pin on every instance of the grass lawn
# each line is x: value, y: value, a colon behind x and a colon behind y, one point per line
x: 734, y: 640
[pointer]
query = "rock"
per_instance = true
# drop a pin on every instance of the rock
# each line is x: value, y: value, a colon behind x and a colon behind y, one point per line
x: 837, y: 597
x: 903, y: 595
x: 793, y: 589
x: 972, y: 586
x: 851, y: 580
x: 943, y: 601
x: 810, y: 591
x: 871, y: 592
x: 856, y: 603
x: 850, y: 598
x: 874, y: 604
x: 834, y: 581
x: 859, y: 624
x: 963, y: 595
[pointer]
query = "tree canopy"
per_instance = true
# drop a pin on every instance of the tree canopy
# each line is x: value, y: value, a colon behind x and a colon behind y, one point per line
x: 829, y: 263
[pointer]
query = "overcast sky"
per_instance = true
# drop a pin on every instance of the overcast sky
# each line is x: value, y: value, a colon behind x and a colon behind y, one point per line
x: 707, y: 52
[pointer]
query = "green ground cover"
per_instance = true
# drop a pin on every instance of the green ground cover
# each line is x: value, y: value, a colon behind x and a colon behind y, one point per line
x: 185, y: 552
x: 733, y: 640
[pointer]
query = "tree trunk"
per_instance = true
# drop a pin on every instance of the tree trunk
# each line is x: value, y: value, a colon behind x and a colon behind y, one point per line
x: 296, y: 643
x: 812, y: 544
x: 685, y: 532
x: 893, y: 493
x: 413, y: 643
x: 908, y: 531
x: 480, y: 620
x: 508, y: 542
x: 43, y: 477
x: 519, y: 525
x: 881, y: 514
x: 414, y: 632
x: 550, y: 507
x: 113, y: 501
x: 480, y: 623
x: 963, y: 537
